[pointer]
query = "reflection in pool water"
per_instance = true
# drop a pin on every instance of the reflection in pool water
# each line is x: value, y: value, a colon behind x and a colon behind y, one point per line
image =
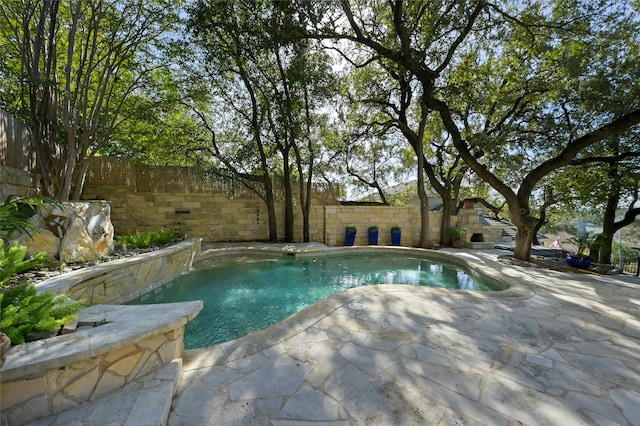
x: 243, y: 297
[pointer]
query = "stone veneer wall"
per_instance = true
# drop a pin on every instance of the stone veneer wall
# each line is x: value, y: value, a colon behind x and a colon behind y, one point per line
x: 215, y: 218
x: 50, y: 376
x: 337, y: 218
x: 16, y: 182
x: 58, y: 389
x: 123, y: 280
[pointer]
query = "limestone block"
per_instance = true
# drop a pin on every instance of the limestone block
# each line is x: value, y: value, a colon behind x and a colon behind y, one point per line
x: 77, y: 245
x: 60, y: 379
x: 150, y: 364
x: 28, y: 411
x: 125, y: 366
x: 108, y: 383
x: 60, y: 402
x: 89, y: 232
x: 119, y: 354
x: 82, y: 388
x: 16, y: 392
x: 172, y: 349
x: 42, y: 241
x: 153, y: 343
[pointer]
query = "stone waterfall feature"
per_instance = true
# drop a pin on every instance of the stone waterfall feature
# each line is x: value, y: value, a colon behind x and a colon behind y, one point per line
x: 75, y: 231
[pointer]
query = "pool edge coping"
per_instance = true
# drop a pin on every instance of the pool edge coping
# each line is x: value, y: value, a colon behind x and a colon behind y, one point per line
x: 298, y: 322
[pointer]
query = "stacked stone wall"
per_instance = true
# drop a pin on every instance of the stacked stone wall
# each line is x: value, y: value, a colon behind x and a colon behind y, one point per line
x: 16, y: 182
x: 135, y: 276
x: 337, y: 218
x: 59, y: 389
x: 215, y: 218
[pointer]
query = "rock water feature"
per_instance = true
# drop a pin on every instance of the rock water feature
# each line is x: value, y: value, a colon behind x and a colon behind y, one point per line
x: 77, y: 231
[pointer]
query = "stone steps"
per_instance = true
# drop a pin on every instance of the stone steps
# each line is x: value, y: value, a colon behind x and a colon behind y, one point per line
x: 480, y: 245
x: 145, y: 401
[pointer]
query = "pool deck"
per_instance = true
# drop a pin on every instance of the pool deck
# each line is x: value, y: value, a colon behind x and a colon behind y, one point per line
x: 565, y: 350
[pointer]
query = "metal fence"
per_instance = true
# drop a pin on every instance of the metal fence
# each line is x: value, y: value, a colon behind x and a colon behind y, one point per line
x: 631, y: 267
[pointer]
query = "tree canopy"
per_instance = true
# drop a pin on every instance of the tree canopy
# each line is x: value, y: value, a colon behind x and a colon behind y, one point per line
x: 532, y: 100
x: 69, y: 68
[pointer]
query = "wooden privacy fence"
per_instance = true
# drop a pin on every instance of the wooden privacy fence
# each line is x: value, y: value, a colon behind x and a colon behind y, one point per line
x: 15, y: 143
x: 109, y: 171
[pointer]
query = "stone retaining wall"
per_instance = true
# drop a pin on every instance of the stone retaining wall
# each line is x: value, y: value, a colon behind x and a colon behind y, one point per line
x: 122, y: 280
x: 215, y: 218
x: 16, y: 182
x: 53, y: 375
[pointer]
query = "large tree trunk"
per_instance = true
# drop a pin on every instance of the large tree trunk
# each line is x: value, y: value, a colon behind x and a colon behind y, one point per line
x: 425, y: 238
x: 305, y: 201
x: 526, y: 229
x: 448, y: 207
x: 608, y: 229
x: 271, y: 209
x: 524, y: 238
x: 288, y: 195
x: 541, y: 221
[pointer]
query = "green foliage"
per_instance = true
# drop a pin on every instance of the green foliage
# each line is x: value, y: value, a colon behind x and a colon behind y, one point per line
x: 97, y: 55
x: 16, y: 211
x: 628, y: 254
x: 457, y: 233
x: 583, y: 239
x: 395, y: 228
x: 631, y: 233
x: 147, y: 239
x: 22, y: 311
x: 12, y: 261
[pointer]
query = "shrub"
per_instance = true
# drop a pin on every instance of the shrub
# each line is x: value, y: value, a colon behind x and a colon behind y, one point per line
x: 147, y: 239
x: 15, y: 213
x: 162, y: 237
x: 583, y: 239
x: 137, y: 240
x: 12, y: 261
x: 22, y: 311
x: 457, y: 233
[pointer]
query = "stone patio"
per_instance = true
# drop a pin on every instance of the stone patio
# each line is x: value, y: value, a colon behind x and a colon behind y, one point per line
x: 565, y: 350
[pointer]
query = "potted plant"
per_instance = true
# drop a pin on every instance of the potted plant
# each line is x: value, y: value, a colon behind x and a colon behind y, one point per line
x: 396, y: 235
x: 350, y: 236
x: 457, y: 236
x: 373, y: 235
x: 583, y: 239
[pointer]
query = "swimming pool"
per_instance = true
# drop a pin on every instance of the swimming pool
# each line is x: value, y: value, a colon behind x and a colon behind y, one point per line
x: 246, y: 295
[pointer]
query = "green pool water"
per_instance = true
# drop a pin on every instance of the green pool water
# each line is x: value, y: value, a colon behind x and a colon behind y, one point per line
x: 246, y: 296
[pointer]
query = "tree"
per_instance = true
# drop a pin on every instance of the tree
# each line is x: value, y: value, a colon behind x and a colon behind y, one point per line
x: 71, y: 66
x: 365, y: 149
x: 161, y: 128
x: 231, y: 44
x: 387, y: 104
x: 273, y: 83
x: 527, y: 56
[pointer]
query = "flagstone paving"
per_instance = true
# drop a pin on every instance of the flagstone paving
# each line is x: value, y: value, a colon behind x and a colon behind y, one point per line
x: 562, y: 349
x: 564, y: 352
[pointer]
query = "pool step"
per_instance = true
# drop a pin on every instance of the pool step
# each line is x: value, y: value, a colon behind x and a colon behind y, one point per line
x: 145, y: 401
x: 480, y: 245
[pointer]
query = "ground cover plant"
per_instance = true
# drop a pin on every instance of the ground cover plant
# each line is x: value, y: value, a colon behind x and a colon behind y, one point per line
x: 13, y: 261
x: 23, y: 311
x: 143, y: 240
